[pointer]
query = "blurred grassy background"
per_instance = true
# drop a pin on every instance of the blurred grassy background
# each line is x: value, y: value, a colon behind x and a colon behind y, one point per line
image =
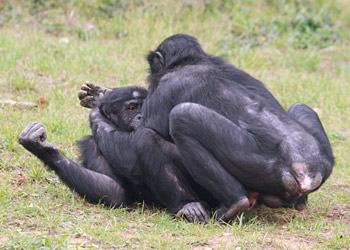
x: 298, y: 48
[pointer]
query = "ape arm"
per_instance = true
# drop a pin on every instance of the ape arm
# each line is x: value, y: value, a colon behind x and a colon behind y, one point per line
x: 115, y: 145
x: 94, y: 187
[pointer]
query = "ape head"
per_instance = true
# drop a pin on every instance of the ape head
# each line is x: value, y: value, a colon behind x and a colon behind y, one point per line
x: 122, y: 106
x: 176, y: 51
x: 179, y: 49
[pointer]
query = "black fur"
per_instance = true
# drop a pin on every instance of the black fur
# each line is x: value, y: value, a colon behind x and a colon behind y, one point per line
x: 230, y: 131
x: 96, y: 179
x: 110, y: 171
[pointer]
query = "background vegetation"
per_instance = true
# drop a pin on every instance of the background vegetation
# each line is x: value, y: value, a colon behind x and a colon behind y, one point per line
x: 299, y: 48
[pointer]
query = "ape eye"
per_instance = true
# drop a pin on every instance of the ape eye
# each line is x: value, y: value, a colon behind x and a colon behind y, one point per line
x: 132, y: 107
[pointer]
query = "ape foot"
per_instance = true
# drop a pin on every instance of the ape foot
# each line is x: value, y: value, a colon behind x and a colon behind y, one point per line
x: 272, y: 201
x: 195, y: 211
x: 224, y: 213
x: 34, y: 136
x: 301, y: 204
x: 90, y: 93
x: 300, y: 207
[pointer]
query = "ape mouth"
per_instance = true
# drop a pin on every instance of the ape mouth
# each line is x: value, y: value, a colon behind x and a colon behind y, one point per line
x: 136, y: 121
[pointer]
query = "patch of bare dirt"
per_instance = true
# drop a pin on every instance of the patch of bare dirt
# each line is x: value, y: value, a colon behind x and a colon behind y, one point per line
x: 82, y: 239
x: 279, y: 216
x: 13, y: 168
x: 226, y: 240
x: 340, y: 187
x: 291, y: 241
x: 275, y: 240
x: 19, y: 180
x: 280, y: 239
x: 340, y: 212
x: 4, y: 239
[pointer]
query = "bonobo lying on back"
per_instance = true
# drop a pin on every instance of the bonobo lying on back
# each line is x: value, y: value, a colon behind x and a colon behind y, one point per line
x: 113, y: 180
x: 95, y: 180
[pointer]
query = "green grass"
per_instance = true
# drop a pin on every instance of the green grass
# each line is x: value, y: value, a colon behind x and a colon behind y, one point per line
x: 299, y: 49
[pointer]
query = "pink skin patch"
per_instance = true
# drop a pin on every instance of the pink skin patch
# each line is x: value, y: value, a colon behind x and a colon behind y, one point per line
x: 301, y: 175
x: 252, y: 197
x: 306, y: 183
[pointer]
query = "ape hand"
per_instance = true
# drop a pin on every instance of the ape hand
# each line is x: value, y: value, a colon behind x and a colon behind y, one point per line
x: 34, y: 136
x: 90, y: 93
x: 99, y: 122
x: 195, y: 211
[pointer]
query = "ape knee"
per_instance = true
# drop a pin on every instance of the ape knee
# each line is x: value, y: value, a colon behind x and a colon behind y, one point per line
x: 181, y: 110
x: 182, y: 115
x: 301, y: 108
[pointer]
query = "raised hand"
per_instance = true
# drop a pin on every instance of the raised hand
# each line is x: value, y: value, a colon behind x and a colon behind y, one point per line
x: 90, y: 93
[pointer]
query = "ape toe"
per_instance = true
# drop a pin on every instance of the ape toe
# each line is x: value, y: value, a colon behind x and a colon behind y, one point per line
x: 195, y: 212
x: 226, y: 214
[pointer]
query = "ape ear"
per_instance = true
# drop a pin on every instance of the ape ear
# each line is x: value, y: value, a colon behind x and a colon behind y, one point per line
x: 105, y: 110
x: 156, y: 61
x: 160, y: 58
x: 115, y: 119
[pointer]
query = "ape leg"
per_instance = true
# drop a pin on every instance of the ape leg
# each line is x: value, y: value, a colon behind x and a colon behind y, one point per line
x: 170, y: 185
x: 309, y: 119
x: 223, y: 186
x: 216, y: 152
x: 93, y: 186
x: 311, y: 122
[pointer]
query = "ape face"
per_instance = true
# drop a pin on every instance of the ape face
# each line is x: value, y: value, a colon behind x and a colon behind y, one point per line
x: 122, y: 107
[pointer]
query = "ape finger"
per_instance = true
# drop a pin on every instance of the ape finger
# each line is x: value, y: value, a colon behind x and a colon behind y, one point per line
x: 42, y: 133
x: 33, y: 131
x: 37, y: 132
x: 96, y: 89
x: 204, y: 210
x: 198, y: 216
x: 192, y: 214
x: 91, y: 89
x: 88, y: 102
x: 184, y: 212
x: 33, y: 135
x: 194, y: 211
x: 82, y: 94
x: 27, y: 128
x: 92, y: 85
x: 85, y: 87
